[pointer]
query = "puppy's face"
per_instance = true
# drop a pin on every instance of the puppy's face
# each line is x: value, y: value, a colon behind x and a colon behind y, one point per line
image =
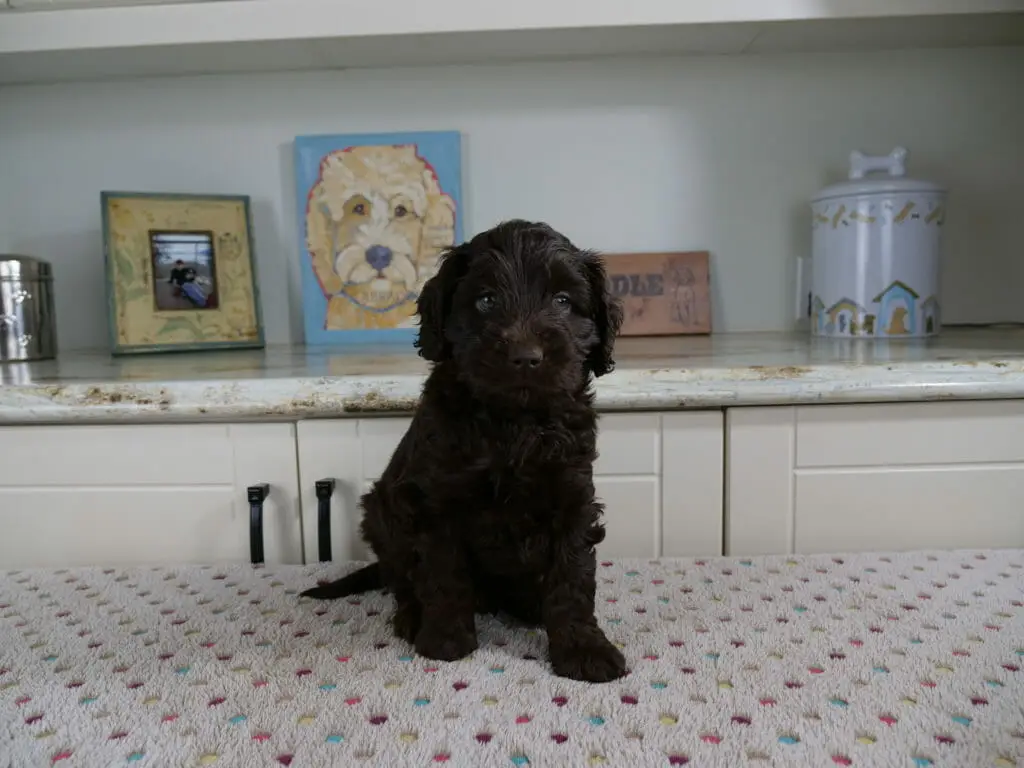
x: 522, y: 312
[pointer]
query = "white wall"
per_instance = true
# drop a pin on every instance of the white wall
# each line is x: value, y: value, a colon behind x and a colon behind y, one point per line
x: 719, y: 153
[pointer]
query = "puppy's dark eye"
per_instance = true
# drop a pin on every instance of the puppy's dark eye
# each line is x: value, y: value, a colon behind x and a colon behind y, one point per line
x: 561, y: 301
x: 485, y: 303
x: 400, y: 211
x: 359, y: 209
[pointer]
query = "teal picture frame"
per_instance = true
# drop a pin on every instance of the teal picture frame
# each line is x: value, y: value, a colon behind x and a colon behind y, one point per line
x: 114, y: 256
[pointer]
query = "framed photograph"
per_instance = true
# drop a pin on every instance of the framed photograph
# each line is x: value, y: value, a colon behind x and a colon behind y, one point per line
x: 663, y: 294
x: 375, y: 213
x: 180, y: 272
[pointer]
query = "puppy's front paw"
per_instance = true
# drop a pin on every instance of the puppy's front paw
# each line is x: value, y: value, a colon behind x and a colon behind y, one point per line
x: 589, y: 657
x: 445, y: 643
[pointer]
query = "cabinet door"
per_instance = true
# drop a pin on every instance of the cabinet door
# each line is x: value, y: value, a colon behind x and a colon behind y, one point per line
x: 354, y: 453
x: 627, y: 478
x: 812, y: 479
x: 692, y: 484
x: 145, y: 494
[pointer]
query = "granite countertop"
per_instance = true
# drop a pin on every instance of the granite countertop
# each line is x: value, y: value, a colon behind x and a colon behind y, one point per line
x: 652, y: 373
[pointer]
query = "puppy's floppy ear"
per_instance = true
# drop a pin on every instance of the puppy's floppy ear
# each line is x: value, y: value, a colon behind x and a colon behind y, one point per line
x: 605, y: 311
x: 435, y: 304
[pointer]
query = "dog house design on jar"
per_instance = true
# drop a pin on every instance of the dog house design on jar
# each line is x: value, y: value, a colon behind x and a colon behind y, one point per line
x: 876, y: 247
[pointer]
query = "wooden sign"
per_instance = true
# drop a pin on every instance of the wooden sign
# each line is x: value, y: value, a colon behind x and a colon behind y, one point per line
x: 662, y: 294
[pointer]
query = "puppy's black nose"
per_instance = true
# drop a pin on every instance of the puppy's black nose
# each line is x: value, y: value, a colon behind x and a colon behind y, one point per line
x: 525, y: 355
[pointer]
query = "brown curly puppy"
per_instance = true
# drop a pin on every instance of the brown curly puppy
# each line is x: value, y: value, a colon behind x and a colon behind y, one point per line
x: 488, y: 502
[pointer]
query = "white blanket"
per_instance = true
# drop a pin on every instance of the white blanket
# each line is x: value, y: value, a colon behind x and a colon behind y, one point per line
x: 862, y: 660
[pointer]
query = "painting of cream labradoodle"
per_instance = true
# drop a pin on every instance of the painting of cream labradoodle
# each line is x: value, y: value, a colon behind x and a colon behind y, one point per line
x: 376, y: 221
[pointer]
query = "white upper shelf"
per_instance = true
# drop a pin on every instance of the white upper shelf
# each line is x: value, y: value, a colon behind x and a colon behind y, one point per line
x: 38, y: 44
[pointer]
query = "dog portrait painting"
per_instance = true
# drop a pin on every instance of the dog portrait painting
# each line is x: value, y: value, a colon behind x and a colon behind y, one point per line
x: 488, y: 503
x: 376, y: 213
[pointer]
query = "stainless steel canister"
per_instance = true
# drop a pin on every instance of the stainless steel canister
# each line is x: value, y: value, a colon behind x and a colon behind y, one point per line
x: 27, y: 323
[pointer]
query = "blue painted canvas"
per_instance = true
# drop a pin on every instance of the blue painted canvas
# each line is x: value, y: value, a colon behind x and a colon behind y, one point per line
x: 375, y: 213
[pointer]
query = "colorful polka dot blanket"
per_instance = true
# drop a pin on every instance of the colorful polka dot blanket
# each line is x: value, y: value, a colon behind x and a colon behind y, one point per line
x: 909, y: 659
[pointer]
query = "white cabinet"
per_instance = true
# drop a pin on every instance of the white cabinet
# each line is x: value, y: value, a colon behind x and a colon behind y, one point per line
x: 829, y: 478
x: 141, y: 494
x: 776, y: 479
x: 659, y: 476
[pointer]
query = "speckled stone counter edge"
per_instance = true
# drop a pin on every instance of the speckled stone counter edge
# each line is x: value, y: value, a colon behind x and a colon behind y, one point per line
x: 292, y: 398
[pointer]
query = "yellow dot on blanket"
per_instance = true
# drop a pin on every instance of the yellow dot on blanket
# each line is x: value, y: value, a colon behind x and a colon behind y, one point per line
x: 208, y: 759
x: 668, y: 720
x: 865, y: 739
x: 45, y: 734
x: 1004, y: 762
x: 597, y: 760
x: 150, y: 700
x: 241, y: 669
x: 943, y: 669
x: 408, y: 738
x: 725, y: 685
x: 490, y: 701
x: 306, y: 719
x: 620, y: 646
x: 391, y: 685
x: 909, y: 701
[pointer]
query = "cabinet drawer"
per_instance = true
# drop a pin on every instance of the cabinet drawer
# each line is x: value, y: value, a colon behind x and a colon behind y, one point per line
x: 632, y: 520
x: 174, y: 454
x: 899, y: 509
x: 130, y: 526
x: 857, y: 478
x: 628, y: 444
x: 379, y: 439
x: 906, y: 434
x: 139, y: 494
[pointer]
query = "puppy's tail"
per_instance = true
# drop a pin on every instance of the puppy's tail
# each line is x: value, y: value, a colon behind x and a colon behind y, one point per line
x: 363, y: 580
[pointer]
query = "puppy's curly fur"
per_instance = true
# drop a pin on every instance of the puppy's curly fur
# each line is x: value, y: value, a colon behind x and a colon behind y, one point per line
x: 488, y: 503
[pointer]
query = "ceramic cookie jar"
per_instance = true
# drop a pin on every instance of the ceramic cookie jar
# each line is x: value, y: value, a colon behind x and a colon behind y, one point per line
x: 876, y: 250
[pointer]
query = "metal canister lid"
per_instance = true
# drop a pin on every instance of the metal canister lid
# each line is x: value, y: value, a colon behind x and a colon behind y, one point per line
x: 24, y: 268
